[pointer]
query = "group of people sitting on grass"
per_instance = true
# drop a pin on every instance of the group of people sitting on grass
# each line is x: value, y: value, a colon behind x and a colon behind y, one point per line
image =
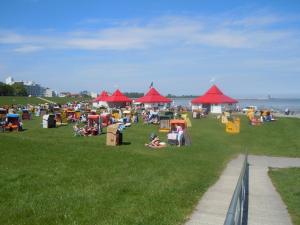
x: 155, y: 142
x: 85, y: 131
x: 257, y: 118
x: 266, y: 116
x: 150, y: 117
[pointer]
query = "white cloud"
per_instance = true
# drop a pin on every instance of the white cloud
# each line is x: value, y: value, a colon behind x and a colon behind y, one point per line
x: 9, y: 37
x: 258, y: 20
x: 28, y: 49
x: 158, y: 32
x: 220, y: 38
x: 282, y: 65
x: 104, y: 43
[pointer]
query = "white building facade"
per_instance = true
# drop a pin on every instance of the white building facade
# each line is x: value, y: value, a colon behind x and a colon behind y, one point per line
x: 31, y: 87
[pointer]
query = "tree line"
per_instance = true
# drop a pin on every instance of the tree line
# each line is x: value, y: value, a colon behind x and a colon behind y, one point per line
x: 180, y: 96
x: 12, y: 90
x: 133, y: 94
x: 138, y: 94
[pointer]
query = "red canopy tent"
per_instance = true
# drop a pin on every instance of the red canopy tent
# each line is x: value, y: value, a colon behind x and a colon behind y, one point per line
x: 102, y: 97
x: 118, y: 97
x: 214, y: 96
x: 153, y: 96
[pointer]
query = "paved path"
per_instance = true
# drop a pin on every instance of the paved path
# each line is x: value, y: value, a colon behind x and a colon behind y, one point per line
x: 213, y: 206
x: 265, y: 204
x: 46, y: 100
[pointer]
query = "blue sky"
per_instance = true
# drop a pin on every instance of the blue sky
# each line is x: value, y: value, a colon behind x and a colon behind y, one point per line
x: 249, y: 49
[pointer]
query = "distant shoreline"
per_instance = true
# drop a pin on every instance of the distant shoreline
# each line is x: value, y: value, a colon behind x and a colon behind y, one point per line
x: 269, y: 99
x: 256, y: 99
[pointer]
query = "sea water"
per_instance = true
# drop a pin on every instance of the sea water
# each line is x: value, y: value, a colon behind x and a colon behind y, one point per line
x: 272, y: 103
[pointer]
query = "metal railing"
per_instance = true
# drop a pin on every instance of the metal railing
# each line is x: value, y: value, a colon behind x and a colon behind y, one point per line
x: 237, y: 213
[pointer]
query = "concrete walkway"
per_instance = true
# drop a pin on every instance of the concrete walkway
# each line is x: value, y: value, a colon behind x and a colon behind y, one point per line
x: 46, y: 100
x: 213, y: 206
x: 265, y: 204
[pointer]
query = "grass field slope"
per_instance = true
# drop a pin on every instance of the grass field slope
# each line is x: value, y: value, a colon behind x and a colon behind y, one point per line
x: 10, y: 100
x: 48, y: 176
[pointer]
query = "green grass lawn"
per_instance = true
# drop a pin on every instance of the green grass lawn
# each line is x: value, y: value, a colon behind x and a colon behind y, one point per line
x: 47, y: 176
x: 287, y: 183
x: 9, y: 100
x: 63, y: 100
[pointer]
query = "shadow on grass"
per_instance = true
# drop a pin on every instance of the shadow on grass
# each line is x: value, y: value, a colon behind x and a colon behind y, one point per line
x: 126, y: 143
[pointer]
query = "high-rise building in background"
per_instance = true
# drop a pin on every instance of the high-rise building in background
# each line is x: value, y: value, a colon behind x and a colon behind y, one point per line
x: 49, y: 93
x: 9, y: 80
x: 32, y: 88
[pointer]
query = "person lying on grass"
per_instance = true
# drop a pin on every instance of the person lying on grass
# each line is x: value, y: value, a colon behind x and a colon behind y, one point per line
x: 155, y: 142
